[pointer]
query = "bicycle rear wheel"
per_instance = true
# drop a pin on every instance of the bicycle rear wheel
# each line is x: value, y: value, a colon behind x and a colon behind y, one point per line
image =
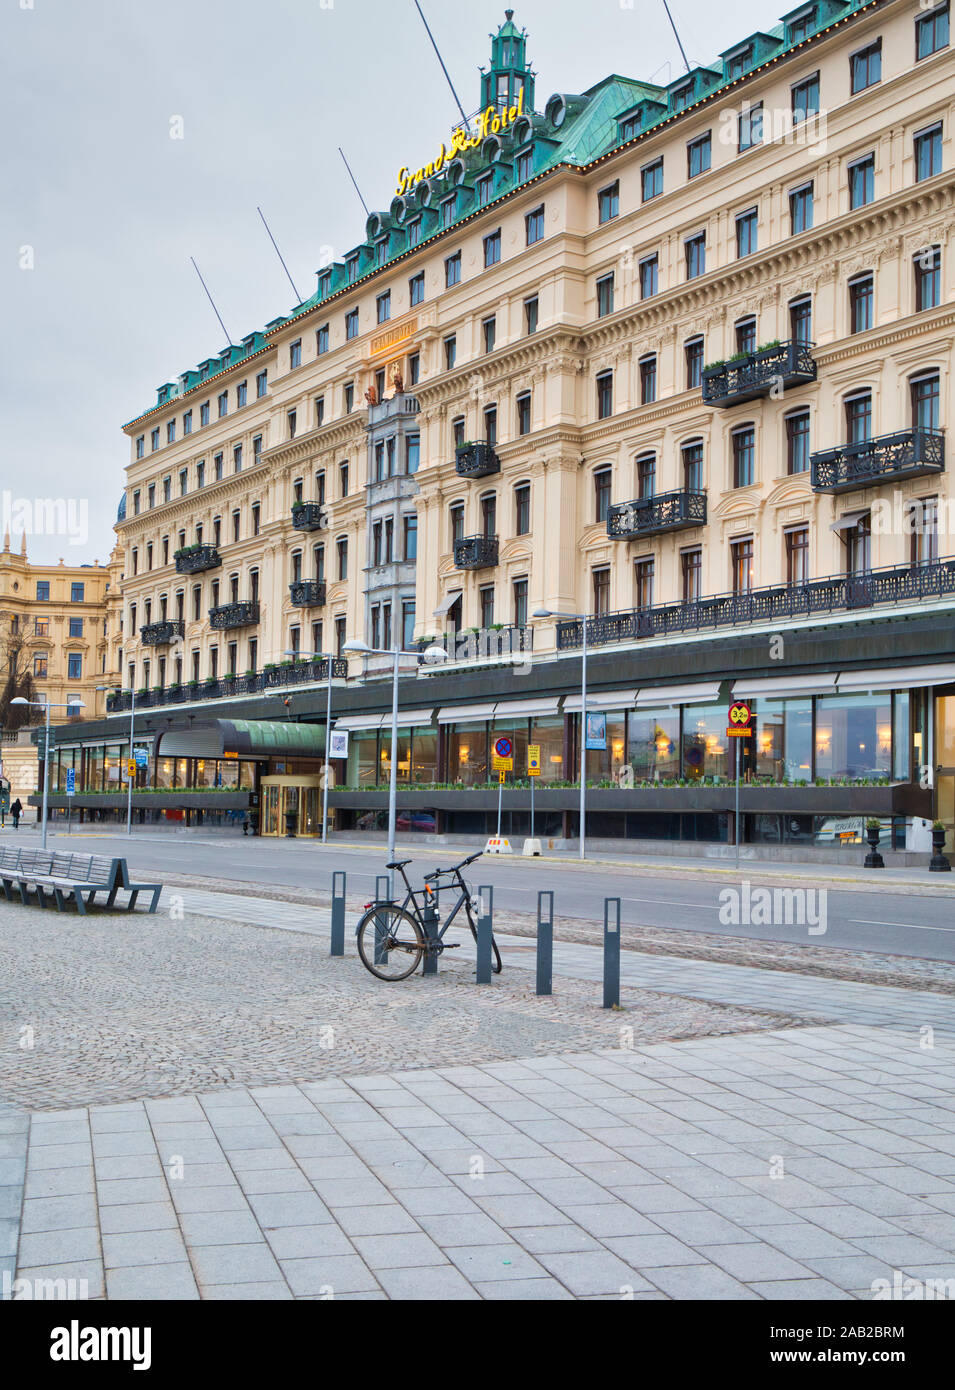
x: 390, y: 942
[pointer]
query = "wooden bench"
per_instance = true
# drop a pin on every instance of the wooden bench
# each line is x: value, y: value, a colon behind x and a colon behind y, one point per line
x: 66, y: 875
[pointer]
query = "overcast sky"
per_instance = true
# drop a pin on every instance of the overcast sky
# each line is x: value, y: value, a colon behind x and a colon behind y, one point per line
x: 108, y: 208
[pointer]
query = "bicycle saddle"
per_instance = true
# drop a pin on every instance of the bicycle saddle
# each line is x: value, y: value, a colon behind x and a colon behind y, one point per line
x: 399, y: 864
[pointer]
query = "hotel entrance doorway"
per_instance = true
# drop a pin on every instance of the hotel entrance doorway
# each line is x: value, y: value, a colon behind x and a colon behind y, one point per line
x: 300, y: 796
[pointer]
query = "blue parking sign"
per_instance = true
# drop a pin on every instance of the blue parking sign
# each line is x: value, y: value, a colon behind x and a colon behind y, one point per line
x: 70, y: 781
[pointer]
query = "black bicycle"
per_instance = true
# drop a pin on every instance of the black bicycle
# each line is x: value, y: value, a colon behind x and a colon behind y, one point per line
x: 393, y: 939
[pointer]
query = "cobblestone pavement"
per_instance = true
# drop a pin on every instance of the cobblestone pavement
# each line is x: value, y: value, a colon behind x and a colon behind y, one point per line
x: 797, y: 1163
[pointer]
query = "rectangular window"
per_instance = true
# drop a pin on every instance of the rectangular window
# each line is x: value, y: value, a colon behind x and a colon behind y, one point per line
x: 383, y: 305
x: 750, y: 127
x: 352, y: 269
x: 691, y: 564
x: 608, y: 203
x: 746, y: 335
x: 859, y: 418
x: 604, y: 296
x: 489, y: 334
x: 201, y: 473
x: 925, y: 402
x: 520, y: 602
x: 805, y: 99
x: 524, y: 413
x: 490, y: 424
x: 646, y: 476
x: 923, y: 521
x: 648, y: 380
x: 77, y: 592
x: 450, y: 352
x: 407, y: 622
x: 699, y: 156
x: 651, y: 180
x: 800, y: 319
x: 414, y: 232
x: 744, y: 457
x: 452, y: 270
x: 414, y: 369
x: 261, y: 386
x: 183, y: 481
x: 649, y: 276
x: 170, y: 431
x: 801, y: 209
x: 457, y: 523
x: 75, y: 666
x: 531, y: 315
x: 349, y: 397
x: 292, y: 419
x: 416, y: 289
x: 695, y: 251
x: 604, y: 395
x: 492, y: 249
x: 693, y: 354
x: 525, y: 165
x: 342, y: 549
x: 643, y: 583
x: 797, y: 555
x: 862, y: 182
x: 932, y: 32
x: 928, y: 278
x: 241, y: 394
x: 486, y: 600
x: 321, y: 340
x: 237, y: 458
x: 295, y: 354
x: 141, y: 446
x: 410, y: 538
x: 412, y: 452
x: 865, y: 67
x: 797, y: 442
x: 223, y: 404
x: 351, y: 324
x: 343, y: 478
x: 76, y: 627
x: 747, y: 225
x: 602, y: 485
x: 204, y: 413
x: 741, y: 553
x: 601, y: 579
x: 861, y: 292
x: 738, y: 62
x: 928, y: 153
x: 522, y: 509
x: 534, y: 223
x: 485, y: 190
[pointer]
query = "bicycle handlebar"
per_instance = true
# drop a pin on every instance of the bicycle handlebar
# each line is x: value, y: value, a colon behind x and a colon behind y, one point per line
x: 456, y: 868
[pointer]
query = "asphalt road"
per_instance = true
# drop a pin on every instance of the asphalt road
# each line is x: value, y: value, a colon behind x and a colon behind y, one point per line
x: 909, y: 923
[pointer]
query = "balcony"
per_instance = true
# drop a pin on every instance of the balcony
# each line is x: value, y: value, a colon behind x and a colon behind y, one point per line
x: 307, y: 516
x: 890, y: 458
x: 486, y: 643
x: 754, y: 374
x: 161, y: 634
x: 308, y: 593
x: 230, y: 615
x: 476, y: 461
x: 655, y: 516
x: 275, y: 677
x: 195, y: 558
x: 901, y: 584
x: 475, y: 552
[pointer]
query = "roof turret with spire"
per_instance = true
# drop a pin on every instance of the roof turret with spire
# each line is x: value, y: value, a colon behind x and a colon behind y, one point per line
x: 509, y: 73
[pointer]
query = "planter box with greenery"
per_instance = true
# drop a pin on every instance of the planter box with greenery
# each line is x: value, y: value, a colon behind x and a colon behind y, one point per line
x: 748, y: 375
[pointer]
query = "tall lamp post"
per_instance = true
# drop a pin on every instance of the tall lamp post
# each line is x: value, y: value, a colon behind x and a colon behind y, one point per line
x: 432, y: 654
x: 45, y: 704
x: 582, y: 618
x: 129, y: 775
x: 323, y: 656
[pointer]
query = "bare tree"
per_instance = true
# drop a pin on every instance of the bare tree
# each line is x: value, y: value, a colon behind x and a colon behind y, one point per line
x: 16, y: 675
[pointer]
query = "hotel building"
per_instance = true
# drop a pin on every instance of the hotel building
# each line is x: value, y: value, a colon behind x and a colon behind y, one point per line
x: 676, y: 359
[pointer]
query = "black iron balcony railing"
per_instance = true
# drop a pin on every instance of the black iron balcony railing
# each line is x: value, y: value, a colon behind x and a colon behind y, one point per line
x: 652, y: 516
x: 890, y: 586
x: 476, y: 461
x: 297, y: 673
x: 475, y: 552
x: 890, y: 458
x: 486, y: 643
x: 755, y: 374
x: 195, y: 558
x: 240, y: 614
x: 161, y: 634
x: 308, y: 593
x: 307, y: 516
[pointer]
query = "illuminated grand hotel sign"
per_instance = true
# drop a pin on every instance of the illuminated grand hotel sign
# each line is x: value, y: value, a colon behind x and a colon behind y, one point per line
x: 490, y: 122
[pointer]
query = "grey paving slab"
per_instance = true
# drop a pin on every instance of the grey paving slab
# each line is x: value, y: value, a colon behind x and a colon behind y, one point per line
x: 172, y: 1282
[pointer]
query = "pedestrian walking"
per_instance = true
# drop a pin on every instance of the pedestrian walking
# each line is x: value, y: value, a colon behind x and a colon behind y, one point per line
x: 16, y: 811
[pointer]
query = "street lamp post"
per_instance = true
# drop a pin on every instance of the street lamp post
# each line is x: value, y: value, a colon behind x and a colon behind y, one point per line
x: 45, y: 704
x: 582, y: 618
x: 433, y: 653
x: 132, y: 758
x: 323, y: 656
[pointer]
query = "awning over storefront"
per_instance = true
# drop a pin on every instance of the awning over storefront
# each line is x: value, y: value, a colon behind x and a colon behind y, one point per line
x: 784, y: 687
x: 406, y: 718
x: 526, y: 709
x: 461, y: 714
x: 896, y: 678
x: 705, y: 693
x: 248, y: 738
x: 602, y: 700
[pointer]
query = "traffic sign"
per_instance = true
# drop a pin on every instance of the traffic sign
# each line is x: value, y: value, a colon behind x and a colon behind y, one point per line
x: 130, y: 767
x: 740, y: 720
x: 71, y: 781
x: 533, y: 760
x: 502, y: 757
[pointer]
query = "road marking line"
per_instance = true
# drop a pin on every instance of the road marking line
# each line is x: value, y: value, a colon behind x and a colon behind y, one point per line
x: 912, y: 926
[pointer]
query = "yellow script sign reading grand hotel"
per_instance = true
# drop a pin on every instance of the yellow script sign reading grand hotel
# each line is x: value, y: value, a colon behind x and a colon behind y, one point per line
x: 490, y: 122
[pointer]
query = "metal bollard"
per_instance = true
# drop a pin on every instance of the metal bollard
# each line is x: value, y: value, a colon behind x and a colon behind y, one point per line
x: 382, y: 890
x: 611, y: 953
x: 338, y: 914
x: 545, y: 943
x: 429, y: 920
x: 484, y: 931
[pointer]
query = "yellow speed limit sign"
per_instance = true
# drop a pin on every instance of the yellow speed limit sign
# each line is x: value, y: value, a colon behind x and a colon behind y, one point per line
x: 533, y: 760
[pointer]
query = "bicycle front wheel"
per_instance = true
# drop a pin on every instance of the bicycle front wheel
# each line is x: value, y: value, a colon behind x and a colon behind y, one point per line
x: 390, y: 942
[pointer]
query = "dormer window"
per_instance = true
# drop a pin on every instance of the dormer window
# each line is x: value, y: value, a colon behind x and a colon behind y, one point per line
x: 525, y: 165
x: 352, y: 264
x: 484, y: 190
x: 629, y: 128
x: 738, y: 62
x: 682, y: 96
x: 447, y: 212
x: 414, y: 232
x: 802, y: 25
x: 325, y: 283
